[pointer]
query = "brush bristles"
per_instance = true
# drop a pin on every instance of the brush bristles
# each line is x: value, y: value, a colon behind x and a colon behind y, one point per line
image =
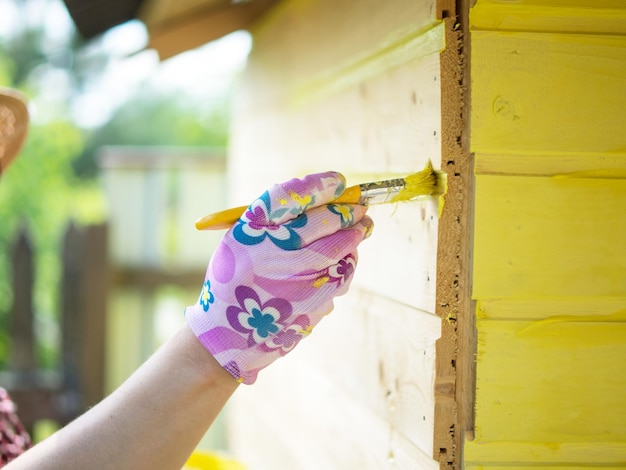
x: 427, y: 182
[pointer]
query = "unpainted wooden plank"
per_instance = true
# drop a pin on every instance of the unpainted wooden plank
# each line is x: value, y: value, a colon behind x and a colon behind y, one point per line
x: 389, y: 125
x: 366, y: 377
x: 309, y: 102
x: 300, y: 40
x: 399, y: 260
x: 549, y: 237
x: 551, y: 381
x: 388, y: 366
x: 349, y: 436
x: 381, y: 123
x: 546, y: 93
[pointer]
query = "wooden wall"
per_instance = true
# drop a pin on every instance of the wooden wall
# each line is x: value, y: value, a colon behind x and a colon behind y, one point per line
x: 548, y: 131
x: 355, y: 87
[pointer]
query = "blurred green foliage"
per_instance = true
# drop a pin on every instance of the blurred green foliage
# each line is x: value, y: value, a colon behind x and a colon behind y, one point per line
x: 40, y: 193
x: 54, y: 180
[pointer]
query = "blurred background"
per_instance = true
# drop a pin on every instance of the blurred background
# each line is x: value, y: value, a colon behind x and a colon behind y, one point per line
x: 98, y: 250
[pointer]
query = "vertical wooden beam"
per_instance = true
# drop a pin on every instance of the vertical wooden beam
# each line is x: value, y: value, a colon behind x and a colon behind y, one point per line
x: 455, y: 375
x: 71, y: 319
x: 84, y: 290
x: 22, y: 356
x: 96, y: 279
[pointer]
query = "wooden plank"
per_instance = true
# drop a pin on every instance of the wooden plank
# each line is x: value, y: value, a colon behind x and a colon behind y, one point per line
x: 420, y: 43
x: 299, y: 41
x: 581, y: 16
x: 454, y: 386
x: 350, y: 86
x: 21, y: 329
x: 591, y: 164
x: 368, y: 133
x: 378, y: 378
x: 545, y: 455
x: 544, y: 93
x: 388, y: 125
x: 549, y: 237
x: 94, y: 300
x: 369, y: 123
x: 346, y: 437
x: 551, y: 382
x: 605, y: 309
x: 399, y: 261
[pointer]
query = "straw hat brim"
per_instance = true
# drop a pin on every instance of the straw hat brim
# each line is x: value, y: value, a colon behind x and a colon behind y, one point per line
x: 13, y: 125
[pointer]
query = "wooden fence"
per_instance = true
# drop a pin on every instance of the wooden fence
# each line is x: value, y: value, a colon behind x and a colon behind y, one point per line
x: 78, y: 381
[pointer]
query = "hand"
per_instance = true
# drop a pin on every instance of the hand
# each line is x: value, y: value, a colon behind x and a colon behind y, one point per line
x: 276, y: 271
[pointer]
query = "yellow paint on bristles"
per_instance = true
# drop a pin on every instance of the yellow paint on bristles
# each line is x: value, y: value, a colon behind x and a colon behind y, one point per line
x: 428, y: 182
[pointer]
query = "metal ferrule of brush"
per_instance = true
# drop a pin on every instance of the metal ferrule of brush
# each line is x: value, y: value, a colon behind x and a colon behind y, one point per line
x: 381, y: 192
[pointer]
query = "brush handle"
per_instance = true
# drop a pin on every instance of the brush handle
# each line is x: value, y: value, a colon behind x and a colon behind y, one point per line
x: 226, y: 219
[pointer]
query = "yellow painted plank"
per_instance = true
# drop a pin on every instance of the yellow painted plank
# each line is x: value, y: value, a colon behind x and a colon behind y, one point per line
x: 551, y: 165
x: 545, y: 94
x: 583, y: 16
x: 530, y: 4
x: 581, y: 309
x: 547, y: 382
x: 544, y: 456
x: 538, y: 237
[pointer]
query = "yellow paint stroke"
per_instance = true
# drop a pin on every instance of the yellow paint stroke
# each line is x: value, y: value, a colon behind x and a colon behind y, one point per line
x: 306, y: 331
x: 320, y: 282
x: 302, y: 200
x: 387, y: 56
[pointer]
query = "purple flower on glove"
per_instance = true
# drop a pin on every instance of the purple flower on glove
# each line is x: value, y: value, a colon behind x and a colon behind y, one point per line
x: 258, y: 320
x: 343, y: 270
x: 287, y: 339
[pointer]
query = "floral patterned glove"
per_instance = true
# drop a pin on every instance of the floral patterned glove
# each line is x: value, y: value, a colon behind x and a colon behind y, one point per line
x: 276, y: 271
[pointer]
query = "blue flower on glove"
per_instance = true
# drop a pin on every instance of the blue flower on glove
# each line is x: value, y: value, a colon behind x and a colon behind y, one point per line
x: 254, y: 318
x: 206, y: 296
x: 257, y: 224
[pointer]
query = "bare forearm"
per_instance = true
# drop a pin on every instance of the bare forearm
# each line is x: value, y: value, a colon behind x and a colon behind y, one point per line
x: 154, y: 420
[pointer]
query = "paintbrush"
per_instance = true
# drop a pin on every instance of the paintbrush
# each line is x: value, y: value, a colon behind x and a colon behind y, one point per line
x: 428, y: 182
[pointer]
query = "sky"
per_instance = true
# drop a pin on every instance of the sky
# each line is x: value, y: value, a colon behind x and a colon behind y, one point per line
x: 203, y: 74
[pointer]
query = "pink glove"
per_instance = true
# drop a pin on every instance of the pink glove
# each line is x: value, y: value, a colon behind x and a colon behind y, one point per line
x: 276, y: 271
